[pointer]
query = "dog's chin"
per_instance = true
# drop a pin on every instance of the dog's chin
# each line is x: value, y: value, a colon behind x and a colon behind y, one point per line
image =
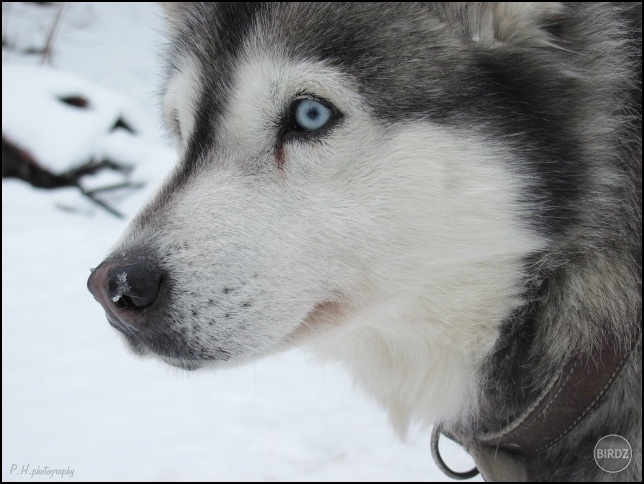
x: 184, y: 364
x: 135, y: 346
x: 140, y: 349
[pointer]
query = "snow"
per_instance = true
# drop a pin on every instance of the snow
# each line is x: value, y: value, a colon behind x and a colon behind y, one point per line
x: 121, y: 286
x: 31, y: 106
x: 76, y: 404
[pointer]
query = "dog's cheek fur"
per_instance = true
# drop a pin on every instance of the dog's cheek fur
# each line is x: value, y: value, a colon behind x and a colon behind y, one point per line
x: 437, y: 215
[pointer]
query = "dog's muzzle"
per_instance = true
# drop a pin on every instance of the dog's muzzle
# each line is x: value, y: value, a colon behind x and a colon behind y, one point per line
x: 128, y: 287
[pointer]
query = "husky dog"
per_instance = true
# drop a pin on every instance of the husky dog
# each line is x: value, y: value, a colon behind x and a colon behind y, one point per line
x: 444, y: 197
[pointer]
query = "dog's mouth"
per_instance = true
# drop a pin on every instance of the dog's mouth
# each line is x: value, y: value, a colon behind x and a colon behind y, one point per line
x: 323, y: 317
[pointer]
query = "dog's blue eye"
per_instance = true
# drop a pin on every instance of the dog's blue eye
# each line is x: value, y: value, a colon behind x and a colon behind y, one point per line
x: 311, y: 115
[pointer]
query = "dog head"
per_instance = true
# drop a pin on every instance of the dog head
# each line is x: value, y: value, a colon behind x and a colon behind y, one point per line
x: 336, y: 185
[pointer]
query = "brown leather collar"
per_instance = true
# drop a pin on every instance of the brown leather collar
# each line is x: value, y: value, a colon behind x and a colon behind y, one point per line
x: 571, y: 395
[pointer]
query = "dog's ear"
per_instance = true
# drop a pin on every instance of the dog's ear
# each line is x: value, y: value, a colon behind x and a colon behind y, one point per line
x: 175, y: 12
x: 528, y: 24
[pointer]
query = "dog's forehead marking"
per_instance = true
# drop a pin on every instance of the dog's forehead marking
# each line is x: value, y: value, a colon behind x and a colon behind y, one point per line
x: 263, y: 87
x: 181, y: 96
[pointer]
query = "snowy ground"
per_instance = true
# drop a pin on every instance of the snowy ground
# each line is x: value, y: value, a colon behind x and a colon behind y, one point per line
x: 72, y: 397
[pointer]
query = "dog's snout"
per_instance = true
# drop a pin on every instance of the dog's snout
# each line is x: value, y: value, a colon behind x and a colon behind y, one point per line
x: 126, y: 286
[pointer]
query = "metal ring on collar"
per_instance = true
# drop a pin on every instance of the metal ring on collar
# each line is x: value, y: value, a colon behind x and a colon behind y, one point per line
x: 436, y: 433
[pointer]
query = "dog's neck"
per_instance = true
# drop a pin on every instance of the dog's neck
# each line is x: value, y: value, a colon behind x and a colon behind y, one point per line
x: 520, y: 372
x: 531, y: 348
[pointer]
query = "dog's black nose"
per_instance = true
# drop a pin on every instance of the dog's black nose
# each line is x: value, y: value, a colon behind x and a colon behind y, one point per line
x: 133, y: 285
x: 126, y: 287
